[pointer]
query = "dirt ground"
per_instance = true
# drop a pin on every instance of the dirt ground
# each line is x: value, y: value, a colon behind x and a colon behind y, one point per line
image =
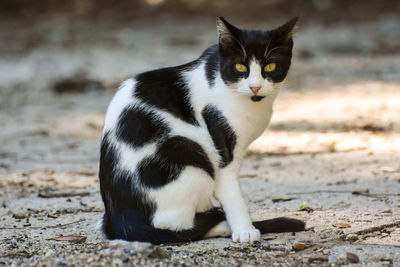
x: 331, y: 155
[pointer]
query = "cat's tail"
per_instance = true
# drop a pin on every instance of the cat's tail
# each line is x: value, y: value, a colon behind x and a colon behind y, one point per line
x: 280, y: 225
x: 276, y: 225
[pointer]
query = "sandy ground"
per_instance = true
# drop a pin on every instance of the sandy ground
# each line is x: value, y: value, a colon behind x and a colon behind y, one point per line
x: 331, y: 155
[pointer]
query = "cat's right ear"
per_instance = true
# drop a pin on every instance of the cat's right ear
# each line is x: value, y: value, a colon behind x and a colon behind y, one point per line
x: 227, y: 33
x: 287, y: 30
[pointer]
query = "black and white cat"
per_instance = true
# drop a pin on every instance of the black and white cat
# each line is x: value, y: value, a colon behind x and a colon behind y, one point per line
x: 174, y: 140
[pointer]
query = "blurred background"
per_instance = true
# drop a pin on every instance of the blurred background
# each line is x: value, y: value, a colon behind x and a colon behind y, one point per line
x: 106, y: 41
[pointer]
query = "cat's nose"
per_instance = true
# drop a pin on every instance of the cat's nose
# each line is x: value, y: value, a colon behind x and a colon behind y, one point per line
x: 255, y: 89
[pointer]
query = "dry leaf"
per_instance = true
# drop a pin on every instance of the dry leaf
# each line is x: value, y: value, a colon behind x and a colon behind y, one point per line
x: 318, y: 258
x: 70, y: 238
x: 341, y: 225
x: 299, y: 246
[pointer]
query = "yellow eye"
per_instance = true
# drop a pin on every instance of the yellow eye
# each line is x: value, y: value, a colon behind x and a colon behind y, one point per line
x: 270, y: 67
x: 240, y: 67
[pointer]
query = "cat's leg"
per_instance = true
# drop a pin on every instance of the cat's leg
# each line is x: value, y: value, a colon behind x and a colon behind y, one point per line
x: 228, y: 192
x: 178, y: 201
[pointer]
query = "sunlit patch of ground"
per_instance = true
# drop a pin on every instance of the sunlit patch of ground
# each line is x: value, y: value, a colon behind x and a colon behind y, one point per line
x: 356, y: 116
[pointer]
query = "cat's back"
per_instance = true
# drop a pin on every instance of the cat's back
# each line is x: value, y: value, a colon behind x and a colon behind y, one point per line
x: 162, y: 89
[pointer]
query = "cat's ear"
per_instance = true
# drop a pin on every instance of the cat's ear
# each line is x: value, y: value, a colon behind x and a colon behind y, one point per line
x: 287, y: 30
x: 227, y: 33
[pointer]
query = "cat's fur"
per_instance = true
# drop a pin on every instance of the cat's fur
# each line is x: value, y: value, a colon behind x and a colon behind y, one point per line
x: 174, y: 138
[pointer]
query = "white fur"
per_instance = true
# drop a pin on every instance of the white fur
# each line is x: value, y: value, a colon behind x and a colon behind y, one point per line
x: 121, y: 99
x: 178, y: 201
x: 130, y: 157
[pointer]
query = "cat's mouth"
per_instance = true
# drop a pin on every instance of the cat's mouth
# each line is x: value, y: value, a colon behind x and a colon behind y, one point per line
x: 256, y: 98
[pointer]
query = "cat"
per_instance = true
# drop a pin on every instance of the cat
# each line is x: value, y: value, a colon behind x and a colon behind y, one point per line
x: 174, y: 140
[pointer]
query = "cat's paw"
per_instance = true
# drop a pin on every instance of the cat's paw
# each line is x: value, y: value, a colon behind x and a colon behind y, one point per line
x: 246, y: 236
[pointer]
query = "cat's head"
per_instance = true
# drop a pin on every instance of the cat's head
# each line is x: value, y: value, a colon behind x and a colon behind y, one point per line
x: 253, y: 62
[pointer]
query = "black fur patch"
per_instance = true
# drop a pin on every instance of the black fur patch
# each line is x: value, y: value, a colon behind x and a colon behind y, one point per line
x: 222, y: 134
x: 212, y: 63
x: 166, y: 90
x: 170, y: 159
x: 119, y: 194
x: 137, y: 126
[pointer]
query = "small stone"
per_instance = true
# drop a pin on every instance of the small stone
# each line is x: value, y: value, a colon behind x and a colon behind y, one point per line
x: 48, y: 255
x: 61, y: 264
x: 352, y: 258
x: 50, y: 171
x: 19, y: 215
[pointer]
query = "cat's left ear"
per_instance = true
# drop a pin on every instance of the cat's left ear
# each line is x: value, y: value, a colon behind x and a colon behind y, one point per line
x: 287, y: 30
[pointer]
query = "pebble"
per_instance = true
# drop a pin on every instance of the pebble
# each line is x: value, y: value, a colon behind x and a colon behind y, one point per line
x: 352, y: 258
x: 47, y: 255
x: 19, y: 215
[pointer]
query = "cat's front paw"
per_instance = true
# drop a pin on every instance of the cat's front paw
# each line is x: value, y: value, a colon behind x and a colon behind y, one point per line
x: 246, y: 236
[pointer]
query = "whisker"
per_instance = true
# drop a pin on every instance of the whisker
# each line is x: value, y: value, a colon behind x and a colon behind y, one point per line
x: 274, y: 49
x: 266, y: 49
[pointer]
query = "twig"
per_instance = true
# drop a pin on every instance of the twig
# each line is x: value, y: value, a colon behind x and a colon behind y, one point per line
x: 377, y: 228
x: 282, y: 199
x: 364, y: 193
x: 62, y: 194
x: 294, y: 153
x: 43, y: 227
x: 320, y: 191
